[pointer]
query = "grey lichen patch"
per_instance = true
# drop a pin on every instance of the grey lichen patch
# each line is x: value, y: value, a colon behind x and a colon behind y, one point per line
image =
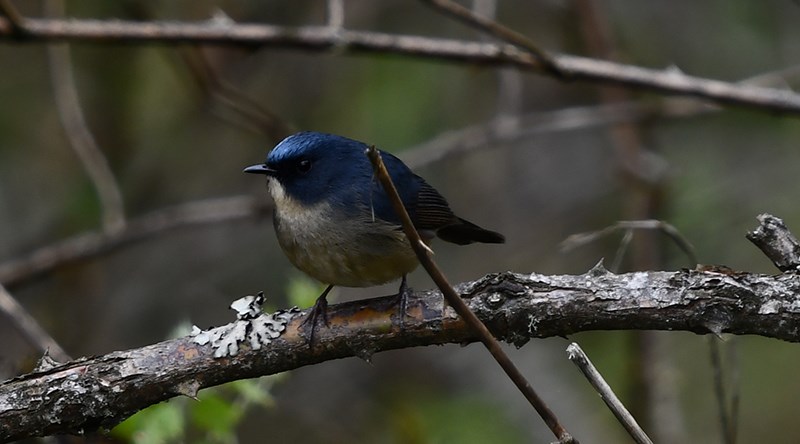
x: 248, y: 307
x: 253, y: 326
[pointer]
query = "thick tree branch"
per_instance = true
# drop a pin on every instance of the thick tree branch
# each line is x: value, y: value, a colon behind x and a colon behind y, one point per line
x: 99, y: 392
x: 324, y: 38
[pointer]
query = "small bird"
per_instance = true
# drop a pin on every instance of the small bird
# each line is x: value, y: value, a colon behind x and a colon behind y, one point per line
x: 335, y: 222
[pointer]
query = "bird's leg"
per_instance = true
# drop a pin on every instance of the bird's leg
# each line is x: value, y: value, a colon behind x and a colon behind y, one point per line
x: 320, y: 309
x: 402, y: 302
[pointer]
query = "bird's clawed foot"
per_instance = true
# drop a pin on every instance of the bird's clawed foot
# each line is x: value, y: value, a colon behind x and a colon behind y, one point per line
x: 308, y: 327
x: 402, y: 302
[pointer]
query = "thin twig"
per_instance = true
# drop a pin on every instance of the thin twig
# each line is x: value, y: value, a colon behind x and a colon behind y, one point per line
x: 455, y: 301
x: 622, y: 248
x: 335, y: 14
x: 80, y: 138
x: 319, y: 38
x: 247, y: 113
x: 719, y: 391
x: 581, y: 239
x: 775, y: 240
x: 514, y: 127
x: 579, y: 358
x: 10, y: 12
x: 211, y: 82
x: 548, y: 63
x: 91, y: 244
x: 509, y: 98
x: 30, y: 329
x: 735, y: 366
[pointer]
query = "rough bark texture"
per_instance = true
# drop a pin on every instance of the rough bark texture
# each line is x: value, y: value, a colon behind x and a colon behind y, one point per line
x: 775, y: 240
x: 91, y: 393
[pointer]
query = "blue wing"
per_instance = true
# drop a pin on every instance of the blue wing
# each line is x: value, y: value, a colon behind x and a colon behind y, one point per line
x: 428, y: 209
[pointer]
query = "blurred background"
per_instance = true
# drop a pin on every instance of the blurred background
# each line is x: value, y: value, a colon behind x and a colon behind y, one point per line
x: 535, y: 158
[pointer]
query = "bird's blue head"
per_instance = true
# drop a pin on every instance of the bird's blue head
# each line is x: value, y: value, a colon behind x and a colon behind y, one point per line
x: 310, y: 167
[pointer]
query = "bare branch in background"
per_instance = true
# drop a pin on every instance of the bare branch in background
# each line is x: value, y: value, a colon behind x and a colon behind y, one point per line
x: 335, y: 14
x: 29, y: 328
x: 545, y: 61
x: 727, y: 406
x: 509, y: 81
x: 255, y: 116
x: 319, y: 38
x: 209, y: 211
x: 581, y: 239
x: 80, y: 137
x: 579, y: 358
x: 13, y: 16
x: 509, y: 128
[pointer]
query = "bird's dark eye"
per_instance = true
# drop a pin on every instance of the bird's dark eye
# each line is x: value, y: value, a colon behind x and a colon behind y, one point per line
x: 304, y: 166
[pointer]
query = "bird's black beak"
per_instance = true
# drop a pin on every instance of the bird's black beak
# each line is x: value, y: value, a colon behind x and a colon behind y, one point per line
x: 260, y: 168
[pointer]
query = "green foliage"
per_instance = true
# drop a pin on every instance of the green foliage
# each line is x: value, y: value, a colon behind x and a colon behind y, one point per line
x: 161, y: 423
x: 302, y: 291
x: 217, y: 417
x: 214, y: 417
x: 457, y: 419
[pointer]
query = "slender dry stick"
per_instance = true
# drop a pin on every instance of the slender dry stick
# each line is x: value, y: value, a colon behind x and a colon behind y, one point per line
x: 509, y: 98
x: 320, y: 38
x: 211, y: 82
x: 579, y: 358
x: 91, y: 244
x: 548, y: 63
x: 580, y: 239
x: 458, y: 304
x: 733, y: 364
x: 728, y: 405
x: 29, y: 328
x: 624, y: 243
x: 719, y: 390
x: 13, y: 16
x: 80, y: 137
x: 335, y: 14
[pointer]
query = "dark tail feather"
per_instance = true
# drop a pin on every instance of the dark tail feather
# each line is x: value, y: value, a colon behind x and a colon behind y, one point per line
x: 465, y: 232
